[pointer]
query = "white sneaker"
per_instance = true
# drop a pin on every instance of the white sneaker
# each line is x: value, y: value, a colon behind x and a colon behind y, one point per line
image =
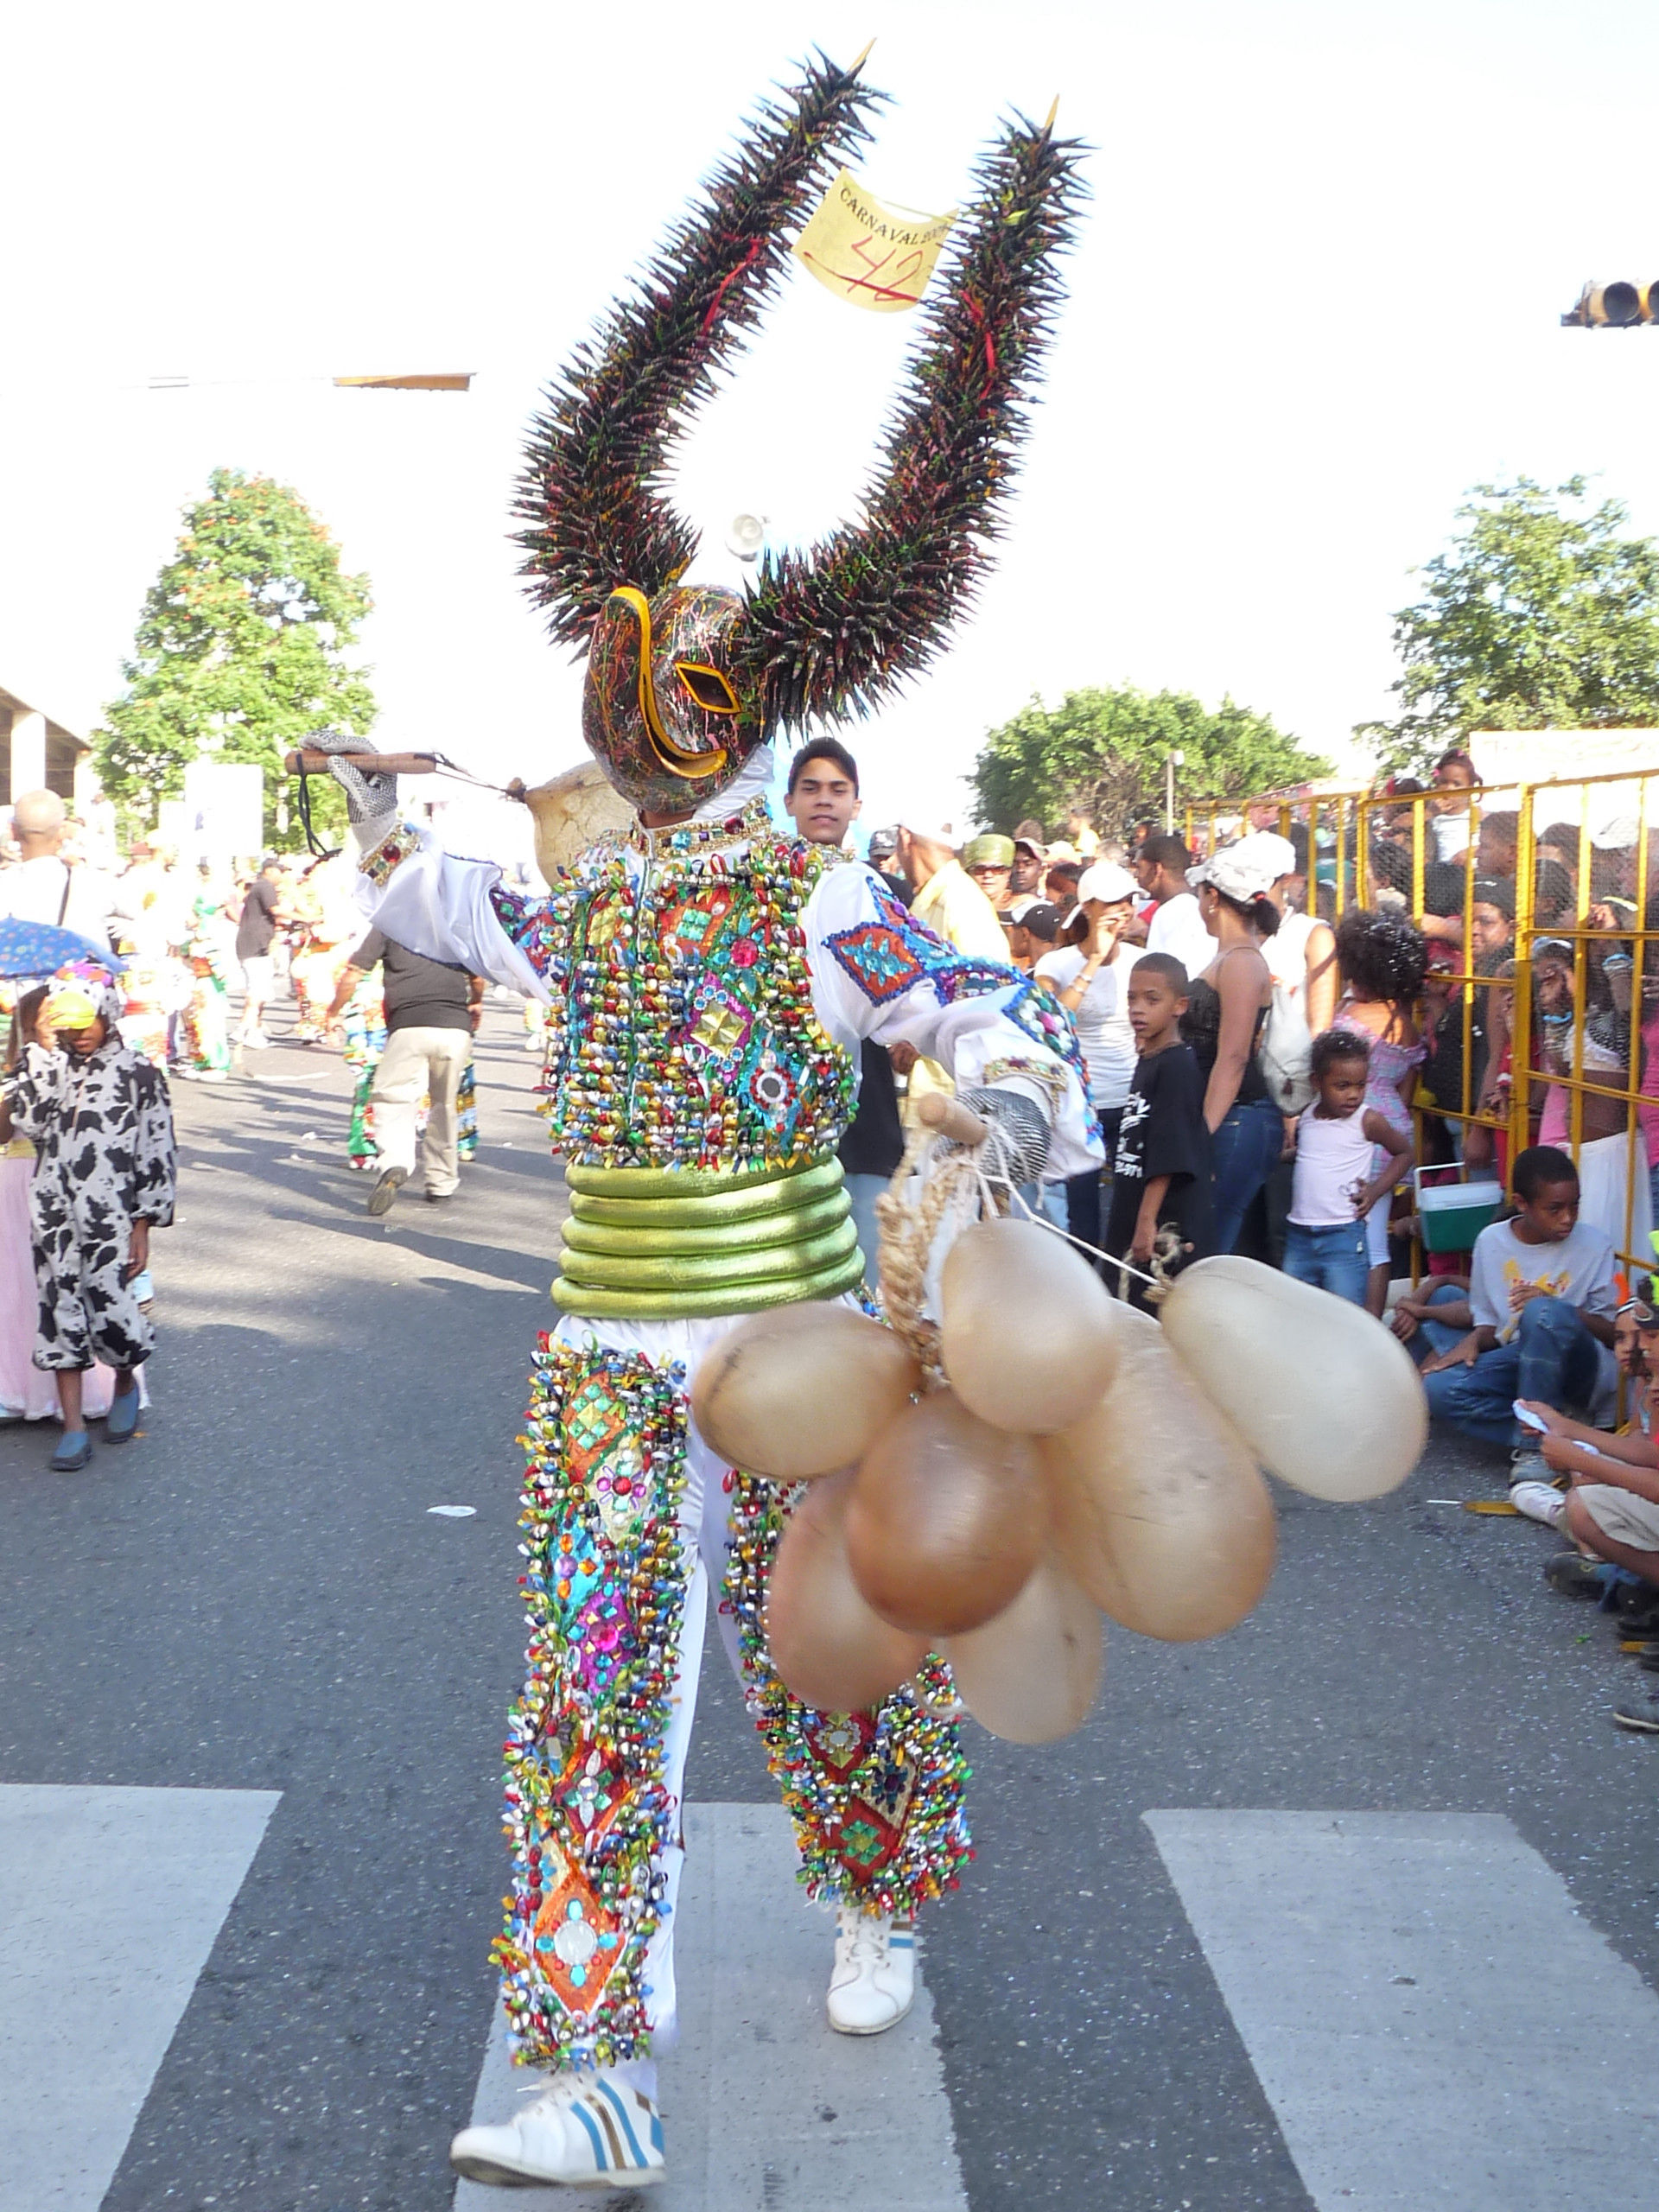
x: 874, y: 1984
x: 1539, y: 1501
x: 584, y: 2130
x: 1529, y: 1466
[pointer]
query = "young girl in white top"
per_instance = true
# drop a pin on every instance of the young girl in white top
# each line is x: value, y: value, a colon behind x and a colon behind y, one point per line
x: 1339, y: 1142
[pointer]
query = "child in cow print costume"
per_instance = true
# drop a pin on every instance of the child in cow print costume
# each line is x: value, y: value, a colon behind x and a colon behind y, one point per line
x: 102, y: 1127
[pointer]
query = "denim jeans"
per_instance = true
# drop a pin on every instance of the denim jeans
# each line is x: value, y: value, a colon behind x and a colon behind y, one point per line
x: 1332, y: 1257
x: 1242, y: 1152
x: 863, y: 1191
x: 1552, y: 1357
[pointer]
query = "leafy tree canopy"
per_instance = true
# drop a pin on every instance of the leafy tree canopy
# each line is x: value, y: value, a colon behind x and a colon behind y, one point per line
x: 240, y: 653
x: 1542, y: 613
x: 1103, y: 751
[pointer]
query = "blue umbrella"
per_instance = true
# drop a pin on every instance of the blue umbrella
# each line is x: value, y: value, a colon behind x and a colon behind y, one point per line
x: 40, y: 948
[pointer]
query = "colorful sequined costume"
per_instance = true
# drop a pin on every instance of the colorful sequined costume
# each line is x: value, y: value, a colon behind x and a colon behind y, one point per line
x: 711, y: 985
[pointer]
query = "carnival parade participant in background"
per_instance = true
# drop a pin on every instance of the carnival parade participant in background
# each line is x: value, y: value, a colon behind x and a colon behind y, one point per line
x: 98, y: 1117
x: 712, y: 984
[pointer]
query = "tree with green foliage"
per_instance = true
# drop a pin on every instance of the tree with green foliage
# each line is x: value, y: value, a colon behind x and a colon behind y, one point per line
x: 1542, y: 613
x: 240, y: 653
x: 1103, y: 751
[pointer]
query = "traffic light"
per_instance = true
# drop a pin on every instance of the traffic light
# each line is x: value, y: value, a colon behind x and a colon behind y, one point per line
x: 1614, y: 306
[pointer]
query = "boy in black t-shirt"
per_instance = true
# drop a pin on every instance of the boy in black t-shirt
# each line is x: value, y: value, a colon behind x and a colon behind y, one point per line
x: 1160, y: 1176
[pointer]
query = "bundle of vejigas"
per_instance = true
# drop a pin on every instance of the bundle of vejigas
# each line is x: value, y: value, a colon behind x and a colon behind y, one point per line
x: 991, y: 1486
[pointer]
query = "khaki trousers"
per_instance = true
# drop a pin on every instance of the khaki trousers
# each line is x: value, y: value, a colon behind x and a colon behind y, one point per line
x: 420, y: 1063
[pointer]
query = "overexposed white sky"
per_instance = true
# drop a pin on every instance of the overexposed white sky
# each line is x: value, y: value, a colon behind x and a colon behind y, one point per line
x: 1317, y: 296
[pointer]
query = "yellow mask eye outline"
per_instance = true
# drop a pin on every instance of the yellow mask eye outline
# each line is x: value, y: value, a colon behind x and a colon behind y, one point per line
x: 685, y: 669
x: 694, y: 765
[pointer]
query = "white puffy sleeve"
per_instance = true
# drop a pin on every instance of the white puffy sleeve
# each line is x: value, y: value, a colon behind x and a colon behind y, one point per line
x: 877, y: 972
x: 456, y: 910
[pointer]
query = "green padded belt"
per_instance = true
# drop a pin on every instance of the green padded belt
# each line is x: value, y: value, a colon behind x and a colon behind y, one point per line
x: 655, y: 1244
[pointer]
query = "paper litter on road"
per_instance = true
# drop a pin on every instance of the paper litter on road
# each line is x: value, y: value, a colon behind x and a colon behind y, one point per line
x: 454, y: 1512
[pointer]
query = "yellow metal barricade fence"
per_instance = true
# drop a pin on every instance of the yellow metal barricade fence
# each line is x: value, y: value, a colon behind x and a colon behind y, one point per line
x: 1540, y: 1011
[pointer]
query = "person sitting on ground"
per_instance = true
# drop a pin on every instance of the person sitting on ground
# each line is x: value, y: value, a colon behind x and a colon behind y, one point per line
x: 1336, y: 1179
x: 1570, y: 1447
x: 1540, y: 1306
x: 1160, y: 1167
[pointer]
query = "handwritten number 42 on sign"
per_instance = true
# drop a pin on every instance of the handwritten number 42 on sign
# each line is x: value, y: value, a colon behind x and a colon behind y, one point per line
x: 867, y: 254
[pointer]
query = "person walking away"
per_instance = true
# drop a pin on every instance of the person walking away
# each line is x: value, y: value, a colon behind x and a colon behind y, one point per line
x: 1383, y: 960
x: 43, y: 884
x: 946, y: 897
x: 1161, y: 1163
x: 1334, y: 1181
x: 1227, y: 1010
x: 1161, y: 866
x: 102, y: 1127
x: 822, y: 798
x: 1541, y: 1305
x: 432, y: 1010
x: 1089, y: 977
x: 255, y: 929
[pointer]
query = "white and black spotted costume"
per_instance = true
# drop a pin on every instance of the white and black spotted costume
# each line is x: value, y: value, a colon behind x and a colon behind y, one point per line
x: 103, y: 1132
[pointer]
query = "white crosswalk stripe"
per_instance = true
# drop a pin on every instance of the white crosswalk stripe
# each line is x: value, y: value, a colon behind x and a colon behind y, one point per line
x: 765, y: 2108
x: 110, y: 1901
x: 1432, y: 2021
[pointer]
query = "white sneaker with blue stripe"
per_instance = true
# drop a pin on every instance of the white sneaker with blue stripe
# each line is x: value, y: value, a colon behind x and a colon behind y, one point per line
x: 584, y: 2131
x: 874, y: 1984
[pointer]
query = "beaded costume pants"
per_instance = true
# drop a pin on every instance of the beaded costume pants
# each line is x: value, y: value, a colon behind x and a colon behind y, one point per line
x: 629, y: 1520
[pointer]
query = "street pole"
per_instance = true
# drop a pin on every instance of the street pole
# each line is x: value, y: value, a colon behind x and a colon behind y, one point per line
x: 1171, y: 762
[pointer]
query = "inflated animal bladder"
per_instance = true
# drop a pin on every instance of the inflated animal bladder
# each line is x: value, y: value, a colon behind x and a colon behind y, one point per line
x: 830, y: 1648
x: 1327, y: 1397
x: 1027, y: 1332
x: 948, y: 1518
x: 1159, y: 1511
x: 1030, y: 1675
x: 801, y: 1390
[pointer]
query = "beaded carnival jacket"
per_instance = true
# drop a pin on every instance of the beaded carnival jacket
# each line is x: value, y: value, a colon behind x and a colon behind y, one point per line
x: 710, y: 986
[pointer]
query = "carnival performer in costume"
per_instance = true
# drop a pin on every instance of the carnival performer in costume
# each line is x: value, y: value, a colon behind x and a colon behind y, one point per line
x: 710, y: 982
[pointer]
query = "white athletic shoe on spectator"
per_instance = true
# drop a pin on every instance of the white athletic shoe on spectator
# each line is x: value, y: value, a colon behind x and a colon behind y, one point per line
x: 1529, y: 1466
x: 1539, y: 1501
x: 584, y: 2131
x: 874, y: 1984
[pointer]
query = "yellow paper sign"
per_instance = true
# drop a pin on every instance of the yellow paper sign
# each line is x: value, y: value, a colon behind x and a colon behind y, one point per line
x: 867, y: 253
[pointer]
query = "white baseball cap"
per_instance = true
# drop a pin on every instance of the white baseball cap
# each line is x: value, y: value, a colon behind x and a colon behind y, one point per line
x: 1105, y: 881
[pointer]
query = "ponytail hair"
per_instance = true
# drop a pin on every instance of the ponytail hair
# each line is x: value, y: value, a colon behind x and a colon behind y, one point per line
x: 1260, y: 913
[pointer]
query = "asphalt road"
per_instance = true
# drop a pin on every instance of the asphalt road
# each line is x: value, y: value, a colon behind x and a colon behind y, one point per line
x: 254, y: 1597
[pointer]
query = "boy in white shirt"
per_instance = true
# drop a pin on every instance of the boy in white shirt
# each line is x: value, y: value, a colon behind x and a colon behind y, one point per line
x: 1541, y: 1300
